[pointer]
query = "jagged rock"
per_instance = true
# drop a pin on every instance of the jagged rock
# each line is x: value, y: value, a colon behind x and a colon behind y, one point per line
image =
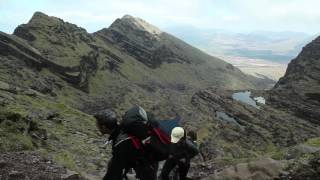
x: 30, y: 165
x: 52, y: 115
x: 260, y: 127
x: 3, y: 164
x: 6, y: 97
x: 4, y: 86
x: 303, y: 168
x: 299, y: 88
x: 262, y: 169
x: 11, y: 45
x: 32, y: 93
x: 303, y: 73
x: 62, y: 40
x: 71, y: 175
x: 16, y: 175
x: 299, y: 150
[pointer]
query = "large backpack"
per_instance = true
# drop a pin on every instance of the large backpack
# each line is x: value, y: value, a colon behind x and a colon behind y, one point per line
x: 148, y: 134
x: 134, y: 122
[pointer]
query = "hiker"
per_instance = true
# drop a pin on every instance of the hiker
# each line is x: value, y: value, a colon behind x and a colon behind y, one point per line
x: 182, y: 150
x: 125, y: 153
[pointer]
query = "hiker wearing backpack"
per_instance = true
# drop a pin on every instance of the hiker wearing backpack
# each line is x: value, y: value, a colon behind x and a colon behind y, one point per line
x: 182, y: 150
x: 147, y: 131
x: 127, y: 150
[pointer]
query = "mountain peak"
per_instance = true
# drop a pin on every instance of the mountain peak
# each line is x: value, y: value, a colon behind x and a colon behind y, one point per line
x: 42, y: 18
x: 127, y: 16
x: 135, y: 24
x: 39, y: 14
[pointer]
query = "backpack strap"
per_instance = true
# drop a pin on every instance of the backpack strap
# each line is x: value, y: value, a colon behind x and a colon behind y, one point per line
x: 146, y: 140
x: 162, y: 136
x: 120, y: 141
x: 136, y: 142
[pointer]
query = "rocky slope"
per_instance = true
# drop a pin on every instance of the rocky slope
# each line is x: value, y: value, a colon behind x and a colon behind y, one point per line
x: 289, y: 117
x: 302, y: 74
x: 53, y: 75
x: 162, y: 51
x: 299, y: 88
x: 126, y: 41
x: 26, y: 165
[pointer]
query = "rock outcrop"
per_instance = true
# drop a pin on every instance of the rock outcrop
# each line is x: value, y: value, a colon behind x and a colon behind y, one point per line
x: 61, y: 42
x: 263, y: 169
x: 299, y: 88
x: 247, y: 126
x: 306, y: 167
x: 303, y: 72
x: 30, y: 165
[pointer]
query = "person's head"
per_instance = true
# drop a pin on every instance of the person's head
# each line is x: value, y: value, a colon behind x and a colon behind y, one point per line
x: 106, y: 121
x: 192, y: 135
x: 177, y: 134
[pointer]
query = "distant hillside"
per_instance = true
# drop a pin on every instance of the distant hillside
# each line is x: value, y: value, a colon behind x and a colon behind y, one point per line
x: 278, y: 47
x: 134, y: 50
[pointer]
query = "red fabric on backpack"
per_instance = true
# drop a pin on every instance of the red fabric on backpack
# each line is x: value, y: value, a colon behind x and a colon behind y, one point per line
x: 158, y: 143
x: 164, y: 138
x: 136, y: 142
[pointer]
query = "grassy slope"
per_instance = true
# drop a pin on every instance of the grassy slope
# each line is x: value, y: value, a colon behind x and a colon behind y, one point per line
x: 53, y: 128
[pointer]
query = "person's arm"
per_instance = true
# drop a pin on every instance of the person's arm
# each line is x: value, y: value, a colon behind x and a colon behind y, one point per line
x: 192, y: 149
x: 120, y: 160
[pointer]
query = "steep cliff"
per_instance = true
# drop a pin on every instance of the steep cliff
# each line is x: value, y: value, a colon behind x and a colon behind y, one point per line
x: 299, y: 89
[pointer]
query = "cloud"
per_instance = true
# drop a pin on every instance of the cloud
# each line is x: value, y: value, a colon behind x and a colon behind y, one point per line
x: 230, y: 18
x: 237, y: 15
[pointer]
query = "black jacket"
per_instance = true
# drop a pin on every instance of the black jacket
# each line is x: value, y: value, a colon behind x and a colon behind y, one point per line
x: 183, y: 149
x: 125, y: 155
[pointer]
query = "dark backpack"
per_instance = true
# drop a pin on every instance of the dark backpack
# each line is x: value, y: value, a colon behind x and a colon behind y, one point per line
x: 134, y: 122
x: 148, y: 134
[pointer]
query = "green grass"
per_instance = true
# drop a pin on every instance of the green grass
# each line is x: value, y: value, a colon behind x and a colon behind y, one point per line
x: 70, y: 140
x: 12, y: 132
x: 203, y: 132
x: 274, y: 152
x: 314, y: 142
x: 66, y: 159
x: 14, y: 142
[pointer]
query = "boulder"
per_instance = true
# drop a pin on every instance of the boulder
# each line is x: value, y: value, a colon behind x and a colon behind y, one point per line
x: 299, y: 150
x: 4, y: 86
x: 256, y: 170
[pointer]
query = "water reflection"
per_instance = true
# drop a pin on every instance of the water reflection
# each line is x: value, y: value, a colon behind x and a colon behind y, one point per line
x: 223, y: 116
x: 245, y: 98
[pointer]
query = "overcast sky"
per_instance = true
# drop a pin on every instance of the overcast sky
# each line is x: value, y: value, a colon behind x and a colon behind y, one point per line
x: 235, y: 15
